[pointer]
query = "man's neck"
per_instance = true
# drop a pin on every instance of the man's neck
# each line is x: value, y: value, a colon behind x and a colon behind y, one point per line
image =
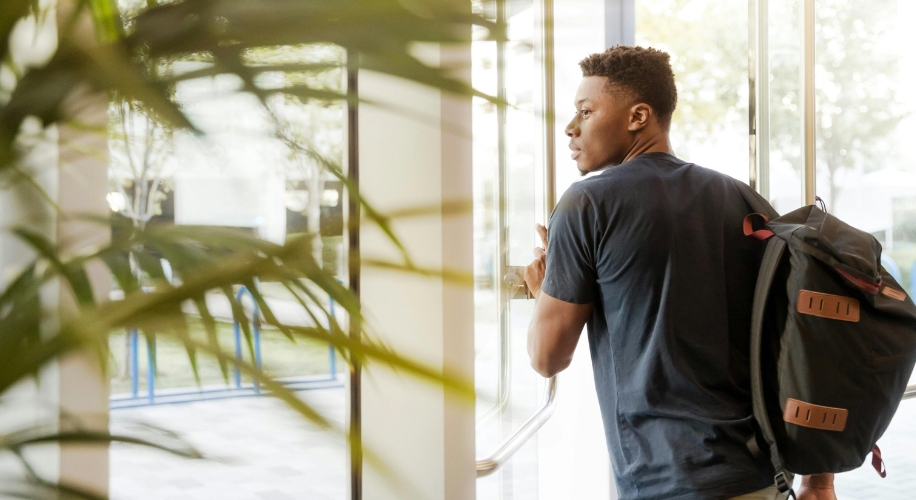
x: 656, y: 142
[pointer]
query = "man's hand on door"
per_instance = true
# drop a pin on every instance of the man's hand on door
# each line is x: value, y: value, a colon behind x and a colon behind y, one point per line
x: 534, y: 273
x: 542, y: 232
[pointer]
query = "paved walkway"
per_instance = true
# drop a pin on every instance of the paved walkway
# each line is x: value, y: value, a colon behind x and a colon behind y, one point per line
x: 261, y: 450
x: 898, y: 447
x: 258, y: 449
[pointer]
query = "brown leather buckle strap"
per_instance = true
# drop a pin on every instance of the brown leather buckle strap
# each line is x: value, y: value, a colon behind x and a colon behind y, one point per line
x: 893, y: 293
x: 827, y: 305
x: 877, y: 462
x: 825, y: 418
x: 861, y: 284
x: 758, y: 234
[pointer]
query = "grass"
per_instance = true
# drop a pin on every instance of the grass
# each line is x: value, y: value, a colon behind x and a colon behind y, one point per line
x: 281, y: 357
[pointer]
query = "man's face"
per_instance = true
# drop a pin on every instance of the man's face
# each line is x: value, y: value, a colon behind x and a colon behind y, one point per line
x: 598, y: 134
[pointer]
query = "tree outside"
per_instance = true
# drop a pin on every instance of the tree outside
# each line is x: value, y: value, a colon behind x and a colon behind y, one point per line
x: 856, y: 74
x: 141, y: 162
x: 707, y: 41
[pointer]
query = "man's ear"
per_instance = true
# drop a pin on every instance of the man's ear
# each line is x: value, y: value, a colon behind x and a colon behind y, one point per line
x: 639, y: 116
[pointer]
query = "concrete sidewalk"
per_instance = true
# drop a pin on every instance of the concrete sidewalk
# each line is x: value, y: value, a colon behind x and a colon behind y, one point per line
x: 898, y: 448
x: 261, y: 450
x: 257, y: 448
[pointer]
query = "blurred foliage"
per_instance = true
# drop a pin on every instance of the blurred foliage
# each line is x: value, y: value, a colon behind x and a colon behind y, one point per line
x: 131, y: 56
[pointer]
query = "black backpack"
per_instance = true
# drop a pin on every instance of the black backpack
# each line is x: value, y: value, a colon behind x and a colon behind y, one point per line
x: 833, y: 341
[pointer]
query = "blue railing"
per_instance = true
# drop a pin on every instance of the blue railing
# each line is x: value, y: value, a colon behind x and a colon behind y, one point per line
x: 238, y: 389
x: 256, y: 333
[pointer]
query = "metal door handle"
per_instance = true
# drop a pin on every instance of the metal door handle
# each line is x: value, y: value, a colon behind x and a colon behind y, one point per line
x: 507, y: 448
x: 910, y: 392
x: 514, y: 281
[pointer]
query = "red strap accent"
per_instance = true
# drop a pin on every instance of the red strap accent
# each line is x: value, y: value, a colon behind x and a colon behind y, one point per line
x: 863, y: 285
x: 877, y: 462
x: 759, y: 234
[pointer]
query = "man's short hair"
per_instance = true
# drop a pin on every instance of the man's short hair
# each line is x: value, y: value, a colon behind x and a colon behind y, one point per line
x: 645, y: 73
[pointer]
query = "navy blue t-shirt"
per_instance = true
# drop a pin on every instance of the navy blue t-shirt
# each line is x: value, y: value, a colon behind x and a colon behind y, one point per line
x: 657, y: 245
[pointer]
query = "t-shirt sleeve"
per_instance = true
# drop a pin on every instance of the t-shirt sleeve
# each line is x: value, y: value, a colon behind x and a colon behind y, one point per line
x: 570, y: 274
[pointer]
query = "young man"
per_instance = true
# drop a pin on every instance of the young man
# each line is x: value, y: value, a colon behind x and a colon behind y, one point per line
x: 651, y: 254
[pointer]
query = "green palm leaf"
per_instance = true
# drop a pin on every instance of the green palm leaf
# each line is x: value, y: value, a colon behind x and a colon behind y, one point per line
x: 130, y: 59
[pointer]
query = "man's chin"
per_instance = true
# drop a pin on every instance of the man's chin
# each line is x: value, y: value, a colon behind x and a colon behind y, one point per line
x: 586, y: 169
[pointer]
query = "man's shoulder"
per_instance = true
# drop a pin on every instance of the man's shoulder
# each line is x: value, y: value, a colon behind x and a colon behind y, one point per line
x: 636, y: 188
x: 648, y: 168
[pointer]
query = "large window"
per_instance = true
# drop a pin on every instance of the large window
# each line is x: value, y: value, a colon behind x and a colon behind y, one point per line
x: 245, y: 173
x: 707, y: 42
x: 866, y: 171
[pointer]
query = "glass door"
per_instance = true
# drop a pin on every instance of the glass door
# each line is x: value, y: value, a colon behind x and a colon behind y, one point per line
x: 512, y: 179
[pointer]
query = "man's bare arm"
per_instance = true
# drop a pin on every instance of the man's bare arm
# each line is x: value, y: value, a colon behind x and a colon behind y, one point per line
x: 817, y: 487
x: 554, y: 333
x: 556, y: 325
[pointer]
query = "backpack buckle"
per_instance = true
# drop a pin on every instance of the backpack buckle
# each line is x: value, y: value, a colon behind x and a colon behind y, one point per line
x: 782, y: 484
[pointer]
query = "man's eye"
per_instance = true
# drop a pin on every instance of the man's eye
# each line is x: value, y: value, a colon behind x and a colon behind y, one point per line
x: 585, y: 112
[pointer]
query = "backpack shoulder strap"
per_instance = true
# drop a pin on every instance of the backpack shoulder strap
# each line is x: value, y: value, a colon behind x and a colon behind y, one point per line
x: 768, y: 267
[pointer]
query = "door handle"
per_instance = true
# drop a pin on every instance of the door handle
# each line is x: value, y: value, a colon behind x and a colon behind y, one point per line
x: 507, y: 448
x: 910, y: 392
x: 514, y: 281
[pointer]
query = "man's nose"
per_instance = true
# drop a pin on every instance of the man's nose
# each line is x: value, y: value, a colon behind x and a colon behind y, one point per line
x: 572, y: 129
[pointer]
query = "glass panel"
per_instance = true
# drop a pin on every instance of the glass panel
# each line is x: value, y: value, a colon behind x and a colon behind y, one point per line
x: 520, y: 474
x: 507, y: 169
x: 866, y: 170
x: 707, y: 42
x: 486, y: 233
x: 784, y: 46
x: 524, y: 131
x: 238, y: 175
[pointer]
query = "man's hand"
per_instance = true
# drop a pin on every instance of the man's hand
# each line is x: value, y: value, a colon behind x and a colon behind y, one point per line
x: 534, y: 273
x: 817, y: 487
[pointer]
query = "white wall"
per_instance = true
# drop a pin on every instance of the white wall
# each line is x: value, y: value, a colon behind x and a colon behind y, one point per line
x: 425, y: 438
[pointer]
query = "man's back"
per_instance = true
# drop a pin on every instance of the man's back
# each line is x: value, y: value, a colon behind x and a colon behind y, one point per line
x: 656, y: 245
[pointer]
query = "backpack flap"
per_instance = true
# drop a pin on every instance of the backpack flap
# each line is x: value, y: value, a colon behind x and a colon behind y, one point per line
x: 837, y: 339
